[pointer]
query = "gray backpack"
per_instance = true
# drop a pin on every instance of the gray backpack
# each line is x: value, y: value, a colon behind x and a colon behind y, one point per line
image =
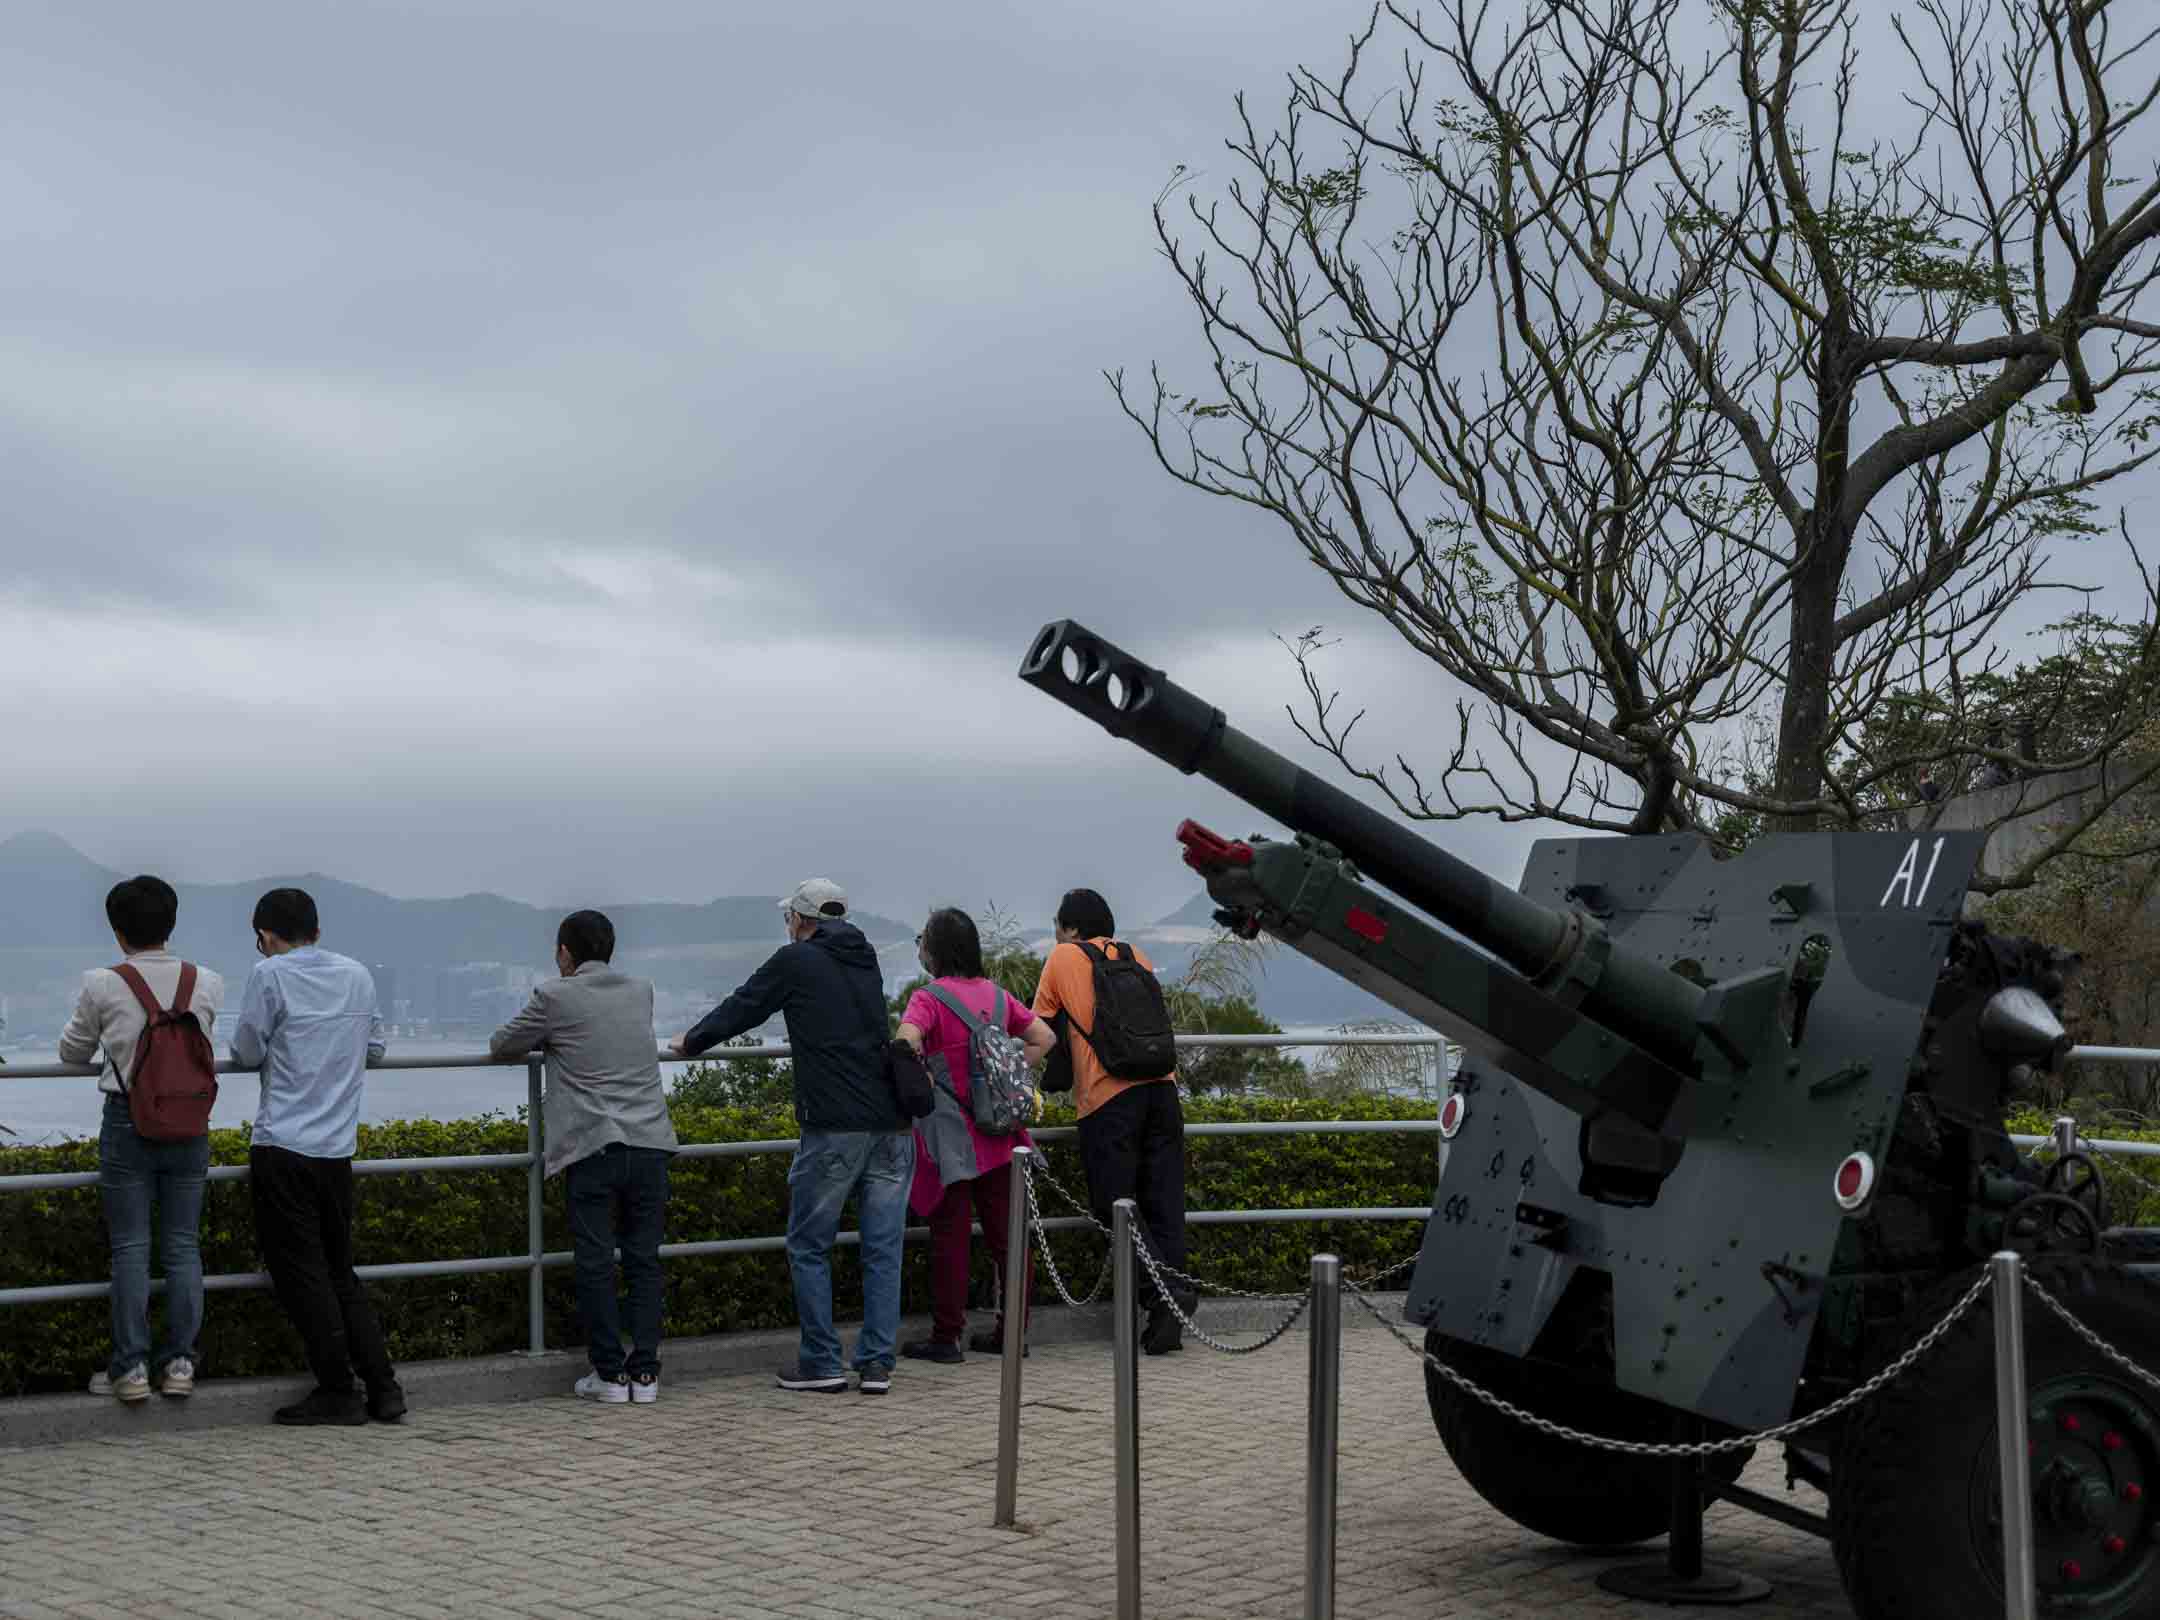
x: 1001, y: 1097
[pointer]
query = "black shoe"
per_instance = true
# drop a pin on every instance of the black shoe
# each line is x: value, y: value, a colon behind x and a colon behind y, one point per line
x: 343, y: 1407
x: 873, y: 1380
x: 933, y: 1350
x: 387, y: 1404
x: 991, y: 1342
x: 1163, y: 1336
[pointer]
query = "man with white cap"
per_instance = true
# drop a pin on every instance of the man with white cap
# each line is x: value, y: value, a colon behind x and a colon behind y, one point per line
x: 826, y: 984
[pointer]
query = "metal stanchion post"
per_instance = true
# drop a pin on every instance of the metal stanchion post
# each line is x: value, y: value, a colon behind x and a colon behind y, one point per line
x: 1126, y: 1407
x: 535, y: 1306
x: 2011, y: 1435
x: 2065, y: 1136
x: 1016, y: 1271
x: 1439, y: 1097
x: 1323, y: 1413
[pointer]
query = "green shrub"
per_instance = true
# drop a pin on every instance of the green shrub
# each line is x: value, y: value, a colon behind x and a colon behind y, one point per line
x: 2133, y: 1185
x: 58, y: 1237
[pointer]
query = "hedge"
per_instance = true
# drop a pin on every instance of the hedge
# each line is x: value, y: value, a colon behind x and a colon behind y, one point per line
x: 58, y: 1237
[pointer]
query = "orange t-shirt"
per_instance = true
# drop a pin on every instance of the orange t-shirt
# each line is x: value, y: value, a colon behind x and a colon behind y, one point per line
x: 1068, y: 986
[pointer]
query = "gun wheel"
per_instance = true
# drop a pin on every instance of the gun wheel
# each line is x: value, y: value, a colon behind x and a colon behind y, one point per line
x: 1554, y: 1487
x: 1916, y: 1506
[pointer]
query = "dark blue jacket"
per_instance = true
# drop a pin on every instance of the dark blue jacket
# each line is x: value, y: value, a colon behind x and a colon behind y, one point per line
x: 832, y: 995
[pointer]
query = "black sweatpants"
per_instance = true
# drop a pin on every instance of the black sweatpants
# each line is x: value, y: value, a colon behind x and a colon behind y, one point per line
x: 1134, y: 1147
x: 303, y: 1225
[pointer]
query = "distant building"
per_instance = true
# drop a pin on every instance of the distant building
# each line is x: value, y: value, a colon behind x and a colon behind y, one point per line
x: 386, y: 988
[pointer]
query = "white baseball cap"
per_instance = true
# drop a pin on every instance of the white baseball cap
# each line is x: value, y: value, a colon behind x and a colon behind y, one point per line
x: 819, y: 899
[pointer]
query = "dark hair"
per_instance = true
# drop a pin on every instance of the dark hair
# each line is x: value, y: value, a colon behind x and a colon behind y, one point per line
x: 588, y: 936
x: 289, y: 914
x: 1087, y: 914
x: 951, y: 944
x: 142, y: 911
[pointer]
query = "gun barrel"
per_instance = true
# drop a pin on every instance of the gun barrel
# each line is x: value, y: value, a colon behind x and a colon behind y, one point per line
x: 1144, y: 706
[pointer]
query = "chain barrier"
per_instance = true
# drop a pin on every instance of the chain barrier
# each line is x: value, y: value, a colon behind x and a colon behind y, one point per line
x: 1172, y: 1272
x: 1695, y: 1448
x: 1382, y: 1276
x: 1157, y: 1271
x: 1202, y: 1284
x: 1359, y: 1289
x: 2087, y: 1334
x: 1042, y: 1244
x: 2132, y: 1167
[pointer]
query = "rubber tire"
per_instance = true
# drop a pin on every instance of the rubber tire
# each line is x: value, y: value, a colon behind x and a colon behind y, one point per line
x: 1571, y: 1493
x: 1900, y: 1512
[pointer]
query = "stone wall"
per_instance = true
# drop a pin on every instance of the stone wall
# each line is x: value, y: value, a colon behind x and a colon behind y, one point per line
x: 2055, y: 802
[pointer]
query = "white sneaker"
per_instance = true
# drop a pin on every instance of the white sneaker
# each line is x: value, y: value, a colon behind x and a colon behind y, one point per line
x: 133, y: 1385
x: 645, y: 1388
x: 608, y: 1391
x: 101, y: 1382
x: 179, y: 1377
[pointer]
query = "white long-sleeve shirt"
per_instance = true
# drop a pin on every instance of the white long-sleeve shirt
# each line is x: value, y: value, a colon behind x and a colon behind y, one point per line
x: 108, y: 1017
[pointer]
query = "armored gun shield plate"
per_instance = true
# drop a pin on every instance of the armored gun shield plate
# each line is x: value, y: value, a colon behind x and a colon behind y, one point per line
x: 1714, y: 1281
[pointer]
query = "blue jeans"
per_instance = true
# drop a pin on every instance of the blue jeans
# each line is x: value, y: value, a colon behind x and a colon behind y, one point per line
x: 619, y: 1196
x: 876, y: 1166
x: 132, y: 1174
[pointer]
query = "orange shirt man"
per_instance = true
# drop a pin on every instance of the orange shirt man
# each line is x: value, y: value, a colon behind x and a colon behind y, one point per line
x: 1132, y: 1132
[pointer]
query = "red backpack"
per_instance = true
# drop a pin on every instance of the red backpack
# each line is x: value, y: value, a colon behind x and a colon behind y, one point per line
x: 174, y: 1083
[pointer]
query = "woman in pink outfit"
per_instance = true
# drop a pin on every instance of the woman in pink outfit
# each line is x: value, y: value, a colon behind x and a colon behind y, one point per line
x: 952, y: 1183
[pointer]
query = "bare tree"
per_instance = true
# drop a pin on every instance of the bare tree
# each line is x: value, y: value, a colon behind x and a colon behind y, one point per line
x: 1671, y: 370
x: 1217, y: 995
x: 1384, y: 1071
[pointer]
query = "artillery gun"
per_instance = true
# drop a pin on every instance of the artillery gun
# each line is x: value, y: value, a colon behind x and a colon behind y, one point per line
x: 1728, y: 1139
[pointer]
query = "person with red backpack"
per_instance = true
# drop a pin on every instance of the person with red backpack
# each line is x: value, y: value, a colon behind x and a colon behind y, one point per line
x: 150, y: 1015
x: 1103, y: 999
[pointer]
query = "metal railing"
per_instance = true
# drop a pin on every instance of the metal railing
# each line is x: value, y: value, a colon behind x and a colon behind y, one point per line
x: 537, y: 1260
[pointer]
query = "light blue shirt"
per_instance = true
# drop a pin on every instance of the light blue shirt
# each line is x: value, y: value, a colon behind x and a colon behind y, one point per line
x: 308, y: 1022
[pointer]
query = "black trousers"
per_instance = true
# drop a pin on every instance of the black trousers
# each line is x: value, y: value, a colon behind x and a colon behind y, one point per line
x: 1134, y: 1147
x: 303, y: 1225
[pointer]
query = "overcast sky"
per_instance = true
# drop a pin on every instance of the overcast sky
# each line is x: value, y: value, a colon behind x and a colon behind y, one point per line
x: 616, y: 451
x: 621, y: 451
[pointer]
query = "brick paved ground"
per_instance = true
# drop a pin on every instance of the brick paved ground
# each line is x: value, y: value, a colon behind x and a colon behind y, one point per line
x: 732, y: 1499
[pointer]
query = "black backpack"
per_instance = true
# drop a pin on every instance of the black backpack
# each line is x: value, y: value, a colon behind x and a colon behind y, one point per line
x: 1132, y: 1036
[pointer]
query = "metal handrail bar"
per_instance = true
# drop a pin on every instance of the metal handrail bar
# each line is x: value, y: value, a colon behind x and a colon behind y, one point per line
x: 59, y: 1180
x: 223, y: 1281
x: 534, y: 1261
x: 2121, y: 1150
x: 736, y: 1054
x: 55, y: 1180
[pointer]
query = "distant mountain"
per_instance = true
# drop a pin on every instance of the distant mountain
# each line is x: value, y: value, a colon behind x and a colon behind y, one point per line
x: 53, y: 894
x: 52, y: 926
x: 1198, y: 912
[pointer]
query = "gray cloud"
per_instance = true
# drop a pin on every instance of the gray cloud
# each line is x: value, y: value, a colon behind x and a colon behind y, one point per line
x: 620, y: 451
x: 612, y: 452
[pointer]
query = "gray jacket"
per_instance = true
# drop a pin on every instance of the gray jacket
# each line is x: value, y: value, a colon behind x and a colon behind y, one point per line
x: 603, y: 1063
